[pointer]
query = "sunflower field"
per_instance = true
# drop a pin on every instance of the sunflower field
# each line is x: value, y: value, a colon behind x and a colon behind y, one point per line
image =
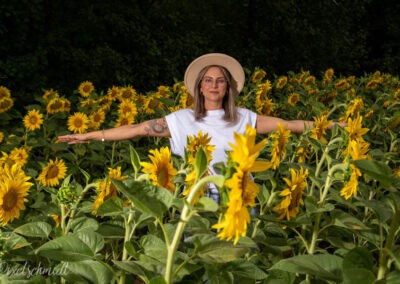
x: 322, y: 206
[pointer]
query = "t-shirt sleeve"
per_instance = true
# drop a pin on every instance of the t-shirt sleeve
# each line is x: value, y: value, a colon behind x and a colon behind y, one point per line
x: 177, y: 121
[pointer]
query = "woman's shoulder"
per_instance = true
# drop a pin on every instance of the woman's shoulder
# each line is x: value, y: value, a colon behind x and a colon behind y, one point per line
x: 244, y: 110
x: 181, y: 113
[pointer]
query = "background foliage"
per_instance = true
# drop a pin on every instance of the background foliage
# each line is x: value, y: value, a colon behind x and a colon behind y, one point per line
x: 57, y: 44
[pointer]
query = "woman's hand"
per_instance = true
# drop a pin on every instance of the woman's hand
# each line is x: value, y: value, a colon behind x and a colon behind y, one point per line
x: 74, y: 138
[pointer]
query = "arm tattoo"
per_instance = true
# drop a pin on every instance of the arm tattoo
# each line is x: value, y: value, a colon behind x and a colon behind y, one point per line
x: 156, y: 126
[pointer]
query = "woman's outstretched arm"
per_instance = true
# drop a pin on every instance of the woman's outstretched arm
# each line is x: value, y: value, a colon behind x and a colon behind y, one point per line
x: 155, y: 128
x: 267, y: 124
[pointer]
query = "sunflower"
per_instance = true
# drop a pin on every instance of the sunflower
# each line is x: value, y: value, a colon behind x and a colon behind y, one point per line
x: 127, y: 93
x: 1, y: 136
x: 350, y: 188
x: 281, y: 82
x: 265, y: 106
x: 354, y: 128
x: 55, y: 105
x: 127, y: 108
x: 293, y: 99
x: 258, y: 75
x: 319, y: 130
x: 14, y: 188
x: 4, y: 92
x: 280, y: 138
x: 52, y: 173
x: 293, y: 194
x: 152, y: 103
x: 20, y: 156
x: 78, y: 122
x: 33, y: 120
x: 354, y: 108
x: 49, y: 94
x: 342, y: 85
x: 242, y: 190
x: 85, y: 89
x: 186, y: 100
x: 124, y: 120
x: 194, y: 142
x: 7, y: 159
x: 161, y: 169
x: 106, y: 189
x: 5, y: 104
x: 163, y: 91
x: 96, y: 119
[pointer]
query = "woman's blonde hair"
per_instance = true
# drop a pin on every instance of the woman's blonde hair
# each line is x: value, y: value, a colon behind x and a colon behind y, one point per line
x: 228, y: 103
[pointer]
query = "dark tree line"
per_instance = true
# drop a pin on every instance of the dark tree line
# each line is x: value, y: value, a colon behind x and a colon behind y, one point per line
x: 58, y: 44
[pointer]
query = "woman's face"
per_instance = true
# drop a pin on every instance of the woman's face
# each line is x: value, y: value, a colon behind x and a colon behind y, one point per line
x: 213, y: 87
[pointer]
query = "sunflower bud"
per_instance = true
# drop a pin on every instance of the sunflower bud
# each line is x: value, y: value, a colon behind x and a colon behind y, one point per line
x: 66, y: 195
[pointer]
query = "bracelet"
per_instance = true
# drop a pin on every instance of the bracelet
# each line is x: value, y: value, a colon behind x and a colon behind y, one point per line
x: 102, y: 138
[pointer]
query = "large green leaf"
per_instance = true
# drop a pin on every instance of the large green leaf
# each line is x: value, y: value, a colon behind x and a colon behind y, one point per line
x: 152, y: 200
x: 358, y: 275
x: 92, y: 270
x: 327, y: 267
x: 346, y: 220
x: 213, y: 250
x: 200, y: 163
x: 154, y: 247
x: 246, y: 269
x: 12, y: 241
x: 358, y: 258
x: 34, y: 229
x: 135, y: 269
x: 92, y: 239
x: 66, y: 248
x: 377, y: 170
x: 84, y: 224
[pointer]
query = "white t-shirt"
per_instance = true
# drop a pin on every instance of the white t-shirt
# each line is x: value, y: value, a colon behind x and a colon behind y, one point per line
x: 182, y: 124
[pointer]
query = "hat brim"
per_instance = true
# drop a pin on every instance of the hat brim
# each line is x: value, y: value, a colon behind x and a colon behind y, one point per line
x: 230, y: 63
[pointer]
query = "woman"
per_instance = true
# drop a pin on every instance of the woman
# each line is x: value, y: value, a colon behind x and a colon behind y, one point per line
x: 214, y: 80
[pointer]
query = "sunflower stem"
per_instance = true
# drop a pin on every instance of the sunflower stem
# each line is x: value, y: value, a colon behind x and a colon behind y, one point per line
x: 187, y: 213
x: 127, y: 237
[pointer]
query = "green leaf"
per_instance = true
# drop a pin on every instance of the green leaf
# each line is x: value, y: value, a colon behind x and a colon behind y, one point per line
x: 200, y: 163
x: 207, y: 204
x: 358, y: 258
x: 152, y: 200
x: 345, y: 220
x: 12, y: 241
x: 246, y: 269
x: 324, y: 266
x: 279, y: 277
x: 358, y: 275
x: 110, y: 207
x: 133, y: 268
x: 92, y: 239
x: 34, y: 229
x: 84, y: 224
x: 66, y: 248
x: 135, y: 159
x: 213, y: 250
x: 91, y: 270
x: 377, y: 170
x: 154, y: 247
x: 86, y: 175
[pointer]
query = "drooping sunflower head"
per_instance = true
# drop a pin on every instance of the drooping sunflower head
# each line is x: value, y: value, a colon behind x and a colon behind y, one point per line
x: 52, y: 173
x: 161, y: 170
x: 14, y: 189
x: 55, y: 105
x: 78, y: 122
x: 293, y: 99
x: 33, y: 120
x: 4, y: 92
x: 281, y: 82
x: 6, y: 104
x: 292, y: 196
x: 258, y: 75
x: 85, y: 88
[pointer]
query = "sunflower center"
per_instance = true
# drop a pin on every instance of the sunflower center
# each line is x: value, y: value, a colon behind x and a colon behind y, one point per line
x: 33, y: 120
x: 10, y: 200
x: 52, y: 172
x: 78, y: 123
x: 162, y: 177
